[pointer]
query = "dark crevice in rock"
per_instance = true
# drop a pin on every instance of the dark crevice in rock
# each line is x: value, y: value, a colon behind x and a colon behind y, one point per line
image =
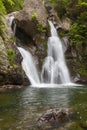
x: 22, y: 36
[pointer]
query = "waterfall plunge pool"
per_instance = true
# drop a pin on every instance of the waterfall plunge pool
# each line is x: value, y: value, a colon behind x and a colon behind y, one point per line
x: 19, y: 110
x: 67, y: 85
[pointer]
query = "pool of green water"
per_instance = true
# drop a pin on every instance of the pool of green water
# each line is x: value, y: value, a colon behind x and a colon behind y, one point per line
x: 20, y: 109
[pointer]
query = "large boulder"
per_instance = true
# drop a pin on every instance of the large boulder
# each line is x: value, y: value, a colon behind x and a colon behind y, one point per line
x: 32, y: 28
x: 32, y: 18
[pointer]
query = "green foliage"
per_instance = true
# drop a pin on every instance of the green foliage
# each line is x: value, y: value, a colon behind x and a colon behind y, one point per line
x: 77, y: 11
x: 78, y: 30
x: 2, y: 8
x: 7, y: 6
x: 11, y: 56
x: 2, y: 26
x: 12, y: 5
x: 60, y: 6
x: 78, y: 33
x: 82, y: 70
x: 2, y: 12
x: 34, y: 16
x: 40, y: 28
x: 82, y: 4
x: 83, y: 18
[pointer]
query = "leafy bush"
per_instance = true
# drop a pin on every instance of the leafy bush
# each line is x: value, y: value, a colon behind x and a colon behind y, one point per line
x: 11, y: 56
x: 40, y: 28
x: 12, y: 5
x: 7, y: 6
x: 34, y: 16
x: 78, y: 33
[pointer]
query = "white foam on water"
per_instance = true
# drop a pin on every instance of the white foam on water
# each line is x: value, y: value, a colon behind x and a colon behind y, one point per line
x: 68, y: 85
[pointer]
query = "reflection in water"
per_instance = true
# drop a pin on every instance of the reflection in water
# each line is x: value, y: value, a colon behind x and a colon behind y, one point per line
x: 8, y: 112
x: 38, y: 100
x: 19, y: 109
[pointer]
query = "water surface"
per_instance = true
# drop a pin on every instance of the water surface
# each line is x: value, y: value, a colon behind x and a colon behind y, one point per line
x: 21, y: 109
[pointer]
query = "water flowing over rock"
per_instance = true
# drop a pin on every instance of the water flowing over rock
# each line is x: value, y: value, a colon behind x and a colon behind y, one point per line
x: 32, y: 28
x: 29, y: 66
x: 53, y: 16
x: 54, y: 70
x: 10, y: 59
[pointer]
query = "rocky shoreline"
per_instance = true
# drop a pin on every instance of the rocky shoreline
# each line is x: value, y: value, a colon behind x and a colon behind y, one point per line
x: 6, y: 88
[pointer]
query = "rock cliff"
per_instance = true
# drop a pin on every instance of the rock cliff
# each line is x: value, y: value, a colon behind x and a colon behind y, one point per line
x: 10, y: 68
x: 32, y: 28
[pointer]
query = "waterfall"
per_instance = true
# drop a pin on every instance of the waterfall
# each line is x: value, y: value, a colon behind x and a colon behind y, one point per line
x: 29, y: 66
x: 54, y: 69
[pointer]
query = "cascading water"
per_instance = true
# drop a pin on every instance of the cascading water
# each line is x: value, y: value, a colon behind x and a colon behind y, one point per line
x: 54, y: 69
x: 29, y: 66
x: 27, y: 62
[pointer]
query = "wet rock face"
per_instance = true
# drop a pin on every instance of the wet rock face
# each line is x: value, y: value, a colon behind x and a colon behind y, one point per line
x: 10, y: 60
x: 31, y: 17
x: 3, y: 55
x: 80, y: 79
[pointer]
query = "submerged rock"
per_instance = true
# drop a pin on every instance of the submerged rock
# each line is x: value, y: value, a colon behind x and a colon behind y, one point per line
x: 56, y: 118
x: 53, y: 115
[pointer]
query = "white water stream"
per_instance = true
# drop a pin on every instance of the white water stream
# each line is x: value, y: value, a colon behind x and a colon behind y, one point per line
x: 54, y: 69
x: 29, y: 66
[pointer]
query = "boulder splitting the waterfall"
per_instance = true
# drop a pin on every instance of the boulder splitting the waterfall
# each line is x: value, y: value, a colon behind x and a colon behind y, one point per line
x: 32, y: 18
x: 31, y: 28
